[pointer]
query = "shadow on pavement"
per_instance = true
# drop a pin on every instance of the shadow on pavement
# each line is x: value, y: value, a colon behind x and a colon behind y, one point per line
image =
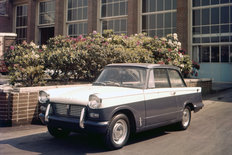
x: 74, y: 144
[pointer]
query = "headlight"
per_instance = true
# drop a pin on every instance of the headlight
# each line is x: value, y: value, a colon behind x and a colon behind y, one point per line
x: 94, y: 102
x: 43, y: 97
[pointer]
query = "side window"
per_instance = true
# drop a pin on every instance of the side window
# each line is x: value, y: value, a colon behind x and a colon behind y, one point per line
x: 175, y: 79
x: 161, y: 78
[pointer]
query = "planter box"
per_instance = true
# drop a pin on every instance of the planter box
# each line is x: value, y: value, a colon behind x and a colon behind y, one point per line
x: 205, y: 84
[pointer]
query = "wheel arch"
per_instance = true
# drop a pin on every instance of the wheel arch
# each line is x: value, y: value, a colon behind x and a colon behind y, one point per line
x: 190, y: 105
x: 130, y: 116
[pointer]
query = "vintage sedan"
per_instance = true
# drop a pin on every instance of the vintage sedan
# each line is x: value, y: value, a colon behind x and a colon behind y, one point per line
x: 125, y: 99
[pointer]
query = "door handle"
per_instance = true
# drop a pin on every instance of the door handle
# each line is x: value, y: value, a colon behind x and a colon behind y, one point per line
x: 173, y: 93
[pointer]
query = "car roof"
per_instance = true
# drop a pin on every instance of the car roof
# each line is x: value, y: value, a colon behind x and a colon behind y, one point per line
x: 143, y: 65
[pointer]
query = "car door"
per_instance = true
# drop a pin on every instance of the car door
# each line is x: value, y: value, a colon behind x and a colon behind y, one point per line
x: 160, y: 98
x: 179, y: 88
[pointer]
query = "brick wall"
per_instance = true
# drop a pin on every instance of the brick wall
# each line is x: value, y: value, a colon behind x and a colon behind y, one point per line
x: 18, y: 108
x: 205, y: 84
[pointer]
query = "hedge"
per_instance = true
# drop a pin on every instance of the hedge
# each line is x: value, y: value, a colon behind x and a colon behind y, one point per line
x: 84, y: 57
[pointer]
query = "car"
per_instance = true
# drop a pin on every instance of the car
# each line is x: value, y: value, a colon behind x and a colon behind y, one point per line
x: 126, y: 98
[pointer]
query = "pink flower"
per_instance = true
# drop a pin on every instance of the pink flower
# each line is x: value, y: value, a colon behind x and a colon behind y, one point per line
x: 160, y: 62
x: 12, y: 48
x: 169, y: 50
x: 80, y: 37
x: 94, y: 32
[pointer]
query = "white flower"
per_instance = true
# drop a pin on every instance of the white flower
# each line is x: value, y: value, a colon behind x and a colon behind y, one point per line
x: 33, y: 45
x: 181, y: 55
x: 163, y: 39
x: 179, y: 44
x: 175, y: 36
x: 44, y: 46
x: 36, y: 56
x: 182, y: 65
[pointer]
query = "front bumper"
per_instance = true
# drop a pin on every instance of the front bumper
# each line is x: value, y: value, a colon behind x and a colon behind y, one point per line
x: 73, y: 124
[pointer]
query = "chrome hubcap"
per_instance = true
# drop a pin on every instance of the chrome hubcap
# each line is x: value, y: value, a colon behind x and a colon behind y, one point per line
x: 185, y: 118
x: 120, y: 131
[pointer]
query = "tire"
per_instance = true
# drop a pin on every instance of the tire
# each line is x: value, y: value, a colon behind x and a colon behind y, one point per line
x: 186, y: 118
x: 58, y: 132
x: 118, y: 132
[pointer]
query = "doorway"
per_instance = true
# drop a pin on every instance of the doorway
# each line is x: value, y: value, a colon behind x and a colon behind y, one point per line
x: 45, y: 34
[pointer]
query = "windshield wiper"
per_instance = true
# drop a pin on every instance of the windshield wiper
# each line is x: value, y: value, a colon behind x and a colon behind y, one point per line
x: 99, y: 83
x: 111, y: 83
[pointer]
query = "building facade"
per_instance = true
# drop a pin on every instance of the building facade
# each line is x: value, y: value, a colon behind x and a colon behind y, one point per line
x: 204, y: 27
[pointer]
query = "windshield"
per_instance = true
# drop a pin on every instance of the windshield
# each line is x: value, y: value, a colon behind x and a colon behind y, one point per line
x: 122, y: 77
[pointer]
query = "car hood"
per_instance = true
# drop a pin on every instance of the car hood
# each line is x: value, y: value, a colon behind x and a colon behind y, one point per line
x: 80, y: 94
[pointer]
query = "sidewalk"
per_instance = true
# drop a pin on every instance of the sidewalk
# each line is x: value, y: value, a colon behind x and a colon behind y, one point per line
x: 220, y: 86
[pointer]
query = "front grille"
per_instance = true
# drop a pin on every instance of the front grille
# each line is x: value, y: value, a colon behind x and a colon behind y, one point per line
x: 67, y: 110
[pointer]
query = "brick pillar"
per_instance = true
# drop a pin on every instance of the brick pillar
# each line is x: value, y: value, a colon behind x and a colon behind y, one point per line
x: 59, y: 17
x: 132, y: 23
x: 18, y: 108
x: 92, y: 15
x: 31, y: 20
x: 182, y: 23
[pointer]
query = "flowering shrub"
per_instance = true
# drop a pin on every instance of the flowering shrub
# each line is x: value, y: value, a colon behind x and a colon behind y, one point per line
x: 3, y: 67
x: 25, y: 64
x: 195, y: 68
x: 65, y: 58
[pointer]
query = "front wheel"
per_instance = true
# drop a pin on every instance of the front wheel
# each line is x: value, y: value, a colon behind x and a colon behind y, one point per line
x: 118, y: 132
x: 58, y: 132
x: 186, y: 118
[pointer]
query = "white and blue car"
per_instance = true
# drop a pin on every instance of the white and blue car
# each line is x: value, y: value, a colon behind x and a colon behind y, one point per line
x: 125, y: 98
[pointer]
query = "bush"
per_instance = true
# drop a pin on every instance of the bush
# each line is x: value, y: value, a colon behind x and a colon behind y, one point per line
x: 66, y: 58
x: 25, y: 64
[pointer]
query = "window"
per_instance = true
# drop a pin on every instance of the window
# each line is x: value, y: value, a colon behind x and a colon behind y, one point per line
x: 161, y: 78
x: 215, y: 54
x: 212, y: 29
x: 47, y: 12
x: 21, y: 23
x: 158, y: 17
x: 175, y: 79
x: 114, y: 15
x: 3, y: 7
x: 204, y: 54
x: 77, y: 15
x: 224, y: 53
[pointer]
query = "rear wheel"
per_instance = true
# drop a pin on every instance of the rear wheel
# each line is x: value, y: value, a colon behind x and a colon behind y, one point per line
x: 118, y: 132
x: 58, y: 132
x: 186, y: 118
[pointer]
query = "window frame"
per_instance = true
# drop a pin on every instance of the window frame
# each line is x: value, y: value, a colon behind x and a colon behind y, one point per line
x: 114, y: 18
x: 217, y: 38
x: 172, y: 28
x: 18, y: 40
x: 76, y: 22
x: 39, y: 13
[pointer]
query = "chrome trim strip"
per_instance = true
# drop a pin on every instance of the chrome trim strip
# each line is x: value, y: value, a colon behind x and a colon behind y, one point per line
x: 47, y: 112
x: 82, y: 118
